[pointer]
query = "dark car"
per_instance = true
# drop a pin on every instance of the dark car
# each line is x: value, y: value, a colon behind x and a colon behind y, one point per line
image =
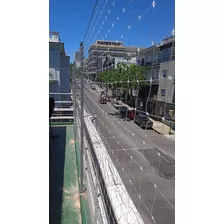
x: 123, y: 111
x: 103, y: 100
x: 143, y: 121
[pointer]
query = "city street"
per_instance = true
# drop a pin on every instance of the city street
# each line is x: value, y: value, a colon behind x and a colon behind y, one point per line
x: 144, y: 159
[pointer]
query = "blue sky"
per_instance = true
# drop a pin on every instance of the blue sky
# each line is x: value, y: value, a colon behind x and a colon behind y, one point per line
x: 71, y: 18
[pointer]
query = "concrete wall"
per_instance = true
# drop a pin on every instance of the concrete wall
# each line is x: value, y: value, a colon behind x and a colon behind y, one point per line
x: 167, y: 82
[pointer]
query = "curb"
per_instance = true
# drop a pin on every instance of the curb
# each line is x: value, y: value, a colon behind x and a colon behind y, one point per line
x: 157, y: 131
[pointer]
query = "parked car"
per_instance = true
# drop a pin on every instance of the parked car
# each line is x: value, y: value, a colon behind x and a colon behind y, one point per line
x: 102, y: 93
x: 103, y: 100
x: 131, y: 114
x: 143, y: 121
x: 123, y: 111
x: 116, y: 104
x: 109, y: 98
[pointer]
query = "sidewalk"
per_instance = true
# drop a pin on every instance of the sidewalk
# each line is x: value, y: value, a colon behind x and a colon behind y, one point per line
x: 163, y: 129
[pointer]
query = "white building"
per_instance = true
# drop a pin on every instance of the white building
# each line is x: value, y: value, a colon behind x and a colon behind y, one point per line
x: 101, y: 48
x: 161, y: 62
x: 110, y: 63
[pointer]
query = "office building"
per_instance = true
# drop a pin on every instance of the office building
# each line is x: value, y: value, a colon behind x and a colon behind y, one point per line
x: 99, y: 51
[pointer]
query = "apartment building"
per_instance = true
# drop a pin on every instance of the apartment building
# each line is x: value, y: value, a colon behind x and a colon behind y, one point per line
x: 160, y: 59
x: 99, y: 51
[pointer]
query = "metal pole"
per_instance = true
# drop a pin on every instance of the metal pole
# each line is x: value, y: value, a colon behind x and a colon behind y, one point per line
x: 136, y: 102
x: 82, y: 130
x: 170, y: 132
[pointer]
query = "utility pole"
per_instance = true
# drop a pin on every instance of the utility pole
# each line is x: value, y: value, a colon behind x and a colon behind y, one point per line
x: 136, y: 101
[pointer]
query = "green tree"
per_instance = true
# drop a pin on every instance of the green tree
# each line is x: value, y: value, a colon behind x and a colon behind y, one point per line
x: 124, y: 76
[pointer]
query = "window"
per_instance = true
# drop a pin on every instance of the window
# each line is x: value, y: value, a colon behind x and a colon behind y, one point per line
x: 166, y: 55
x: 163, y: 92
x: 164, y: 73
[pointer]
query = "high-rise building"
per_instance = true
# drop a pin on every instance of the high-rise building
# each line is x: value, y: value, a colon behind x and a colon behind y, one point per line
x: 79, y: 55
x: 81, y: 50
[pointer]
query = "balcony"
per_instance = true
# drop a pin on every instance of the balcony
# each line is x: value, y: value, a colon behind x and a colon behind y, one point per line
x: 154, y: 97
x: 63, y: 166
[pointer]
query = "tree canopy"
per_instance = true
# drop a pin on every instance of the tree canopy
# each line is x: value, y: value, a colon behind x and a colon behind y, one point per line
x: 125, y: 76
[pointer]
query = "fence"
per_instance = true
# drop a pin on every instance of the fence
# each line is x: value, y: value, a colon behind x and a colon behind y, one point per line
x: 108, y: 199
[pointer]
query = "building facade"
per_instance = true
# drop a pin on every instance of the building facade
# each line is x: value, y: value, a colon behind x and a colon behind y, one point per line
x: 79, y: 55
x: 58, y: 67
x: 101, y: 48
x: 110, y: 63
x: 77, y: 58
x: 160, y: 59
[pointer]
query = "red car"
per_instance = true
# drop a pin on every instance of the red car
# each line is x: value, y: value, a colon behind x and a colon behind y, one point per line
x: 131, y: 114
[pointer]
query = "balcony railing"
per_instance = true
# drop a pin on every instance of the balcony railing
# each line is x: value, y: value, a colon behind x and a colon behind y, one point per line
x: 63, y: 111
x: 150, y: 63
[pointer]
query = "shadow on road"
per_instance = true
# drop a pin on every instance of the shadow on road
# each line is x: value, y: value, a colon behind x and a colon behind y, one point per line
x: 164, y: 167
x: 56, y: 174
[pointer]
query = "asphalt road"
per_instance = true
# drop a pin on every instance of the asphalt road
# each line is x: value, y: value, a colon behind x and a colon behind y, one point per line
x: 138, y: 155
